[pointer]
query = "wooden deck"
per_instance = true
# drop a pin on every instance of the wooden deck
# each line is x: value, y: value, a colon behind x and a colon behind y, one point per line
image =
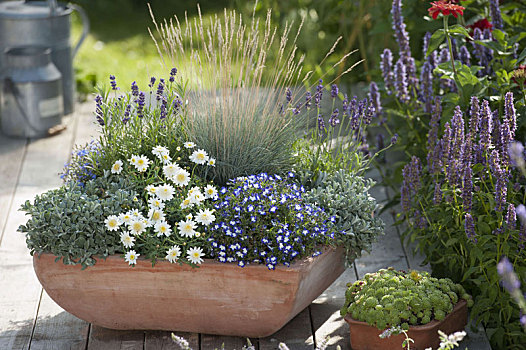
x: 29, y: 319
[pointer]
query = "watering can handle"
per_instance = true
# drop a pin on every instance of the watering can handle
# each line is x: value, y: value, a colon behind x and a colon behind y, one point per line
x: 85, y: 27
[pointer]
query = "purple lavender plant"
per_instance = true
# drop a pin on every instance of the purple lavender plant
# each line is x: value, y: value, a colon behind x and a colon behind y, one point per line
x: 400, y: 32
x: 173, y: 72
x: 465, y: 56
x: 486, y: 125
x: 288, y: 95
x: 308, y: 100
x: 113, y: 83
x: 401, y: 81
x: 334, y: 90
x: 334, y: 119
x: 469, y: 227
x: 426, y: 86
x: 99, y: 114
x: 152, y: 82
x: 374, y: 97
x: 134, y: 89
x: 127, y: 112
x: 321, y: 123
x: 140, y: 104
x: 474, y: 115
x: 509, y: 113
x: 494, y: 11
x: 160, y: 90
x: 319, y: 94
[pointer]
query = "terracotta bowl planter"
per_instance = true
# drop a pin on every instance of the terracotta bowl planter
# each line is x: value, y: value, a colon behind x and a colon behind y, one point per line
x: 215, y: 298
x: 366, y: 337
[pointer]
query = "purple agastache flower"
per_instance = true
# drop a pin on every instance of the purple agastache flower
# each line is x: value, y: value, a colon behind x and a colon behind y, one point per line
x: 127, y: 111
x: 509, y: 113
x: 511, y: 217
x: 113, y: 83
x: 374, y: 97
x: 134, y: 89
x: 345, y: 106
x: 432, y: 138
x: 445, y: 144
x: 99, y: 114
x: 319, y: 93
x: 501, y: 192
x: 334, y: 90
x: 457, y: 128
x: 394, y: 139
x: 308, y: 100
x: 465, y: 56
x: 486, y: 125
x: 474, y: 115
x: 288, y: 95
x: 401, y: 81
x: 321, y: 123
x: 505, y: 140
x: 173, y: 72
x: 410, y: 68
x: 140, y: 104
x: 469, y: 227
x: 434, y: 158
x: 467, y: 188
x: 152, y: 82
x: 494, y: 10
x: 508, y: 278
x: 411, y: 183
x: 425, y: 43
x: 437, y: 195
x: 401, y: 35
x: 160, y: 90
x: 426, y: 86
x: 334, y: 119
x: 386, y: 64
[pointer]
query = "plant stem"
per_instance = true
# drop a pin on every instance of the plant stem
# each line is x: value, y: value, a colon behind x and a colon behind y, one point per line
x: 449, y: 44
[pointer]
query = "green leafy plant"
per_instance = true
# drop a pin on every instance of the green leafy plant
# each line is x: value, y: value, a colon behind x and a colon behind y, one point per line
x: 381, y: 299
x: 345, y: 196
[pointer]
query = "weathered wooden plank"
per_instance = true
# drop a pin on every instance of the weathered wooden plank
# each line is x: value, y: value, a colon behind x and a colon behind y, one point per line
x: 57, y: 329
x: 109, y: 339
x: 329, y: 326
x: 297, y: 334
x: 20, y: 292
x: 213, y: 342
x: 161, y: 340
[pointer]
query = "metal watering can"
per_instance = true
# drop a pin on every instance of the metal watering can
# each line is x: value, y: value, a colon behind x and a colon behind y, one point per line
x: 43, y: 24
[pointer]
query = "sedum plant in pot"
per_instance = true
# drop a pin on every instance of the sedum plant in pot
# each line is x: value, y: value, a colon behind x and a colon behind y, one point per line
x: 192, y: 192
x: 385, y: 304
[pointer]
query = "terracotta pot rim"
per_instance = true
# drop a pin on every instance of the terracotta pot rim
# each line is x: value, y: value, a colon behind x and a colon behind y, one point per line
x: 143, y: 262
x: 460, y: 304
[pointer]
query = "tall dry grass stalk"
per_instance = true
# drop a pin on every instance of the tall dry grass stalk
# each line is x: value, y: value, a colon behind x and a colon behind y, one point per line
x: 236, y: 106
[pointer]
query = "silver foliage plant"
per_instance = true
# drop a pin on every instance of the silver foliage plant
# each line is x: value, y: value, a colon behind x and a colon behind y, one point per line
x: 346, y: 196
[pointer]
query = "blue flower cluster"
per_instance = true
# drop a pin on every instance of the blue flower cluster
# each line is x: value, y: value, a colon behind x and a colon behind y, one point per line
x: 80, y: 168
x: 263, y: 219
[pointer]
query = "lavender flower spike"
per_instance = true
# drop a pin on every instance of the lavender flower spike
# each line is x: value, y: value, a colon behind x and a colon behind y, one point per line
x: 387, y: 70
x: 465, y: 56
x: 474, y: 113
x: 486, y: 125
x: 374, y: 97
x: 401, y: 81
x: 509, y: 113
x: 496, y: 17
x: 401, y: 35
x: 426, y: 86
x: 334, y: 90
x: 469, y: 226
x: 511, y: 217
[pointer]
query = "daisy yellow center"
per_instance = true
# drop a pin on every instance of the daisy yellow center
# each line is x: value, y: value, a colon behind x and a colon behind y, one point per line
x: 156, y: 215
x: 188, y: 227
x: 116, y: 166
x: 210, y: 191
x: 186, y: 202
x: 195, y: 254
x: 140, y: 162
x: 200, y: 156
x: 112, y: 223
x: 132, y: 257
x: 180, y: 177
x: 137, y: 226
x: 162, y: 229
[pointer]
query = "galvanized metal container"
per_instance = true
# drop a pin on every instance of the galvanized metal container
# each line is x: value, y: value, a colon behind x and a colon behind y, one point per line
x: 31, y: 100
x: 43, y: 24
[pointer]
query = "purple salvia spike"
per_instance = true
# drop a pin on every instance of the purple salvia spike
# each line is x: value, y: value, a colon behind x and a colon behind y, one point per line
x: 494, y: 11
x: 426, y: 86
x: 386, y: 65
x: 501, y: 192
x: 505, y: 140
x: 511, y: 217
x: 474, y: 115
x: 401, y: 81
x: 401, y: 35
x: 465, y: 56
x: 486, y: 125
x: 437, y: 195
x: 509, y: 113
x: 469, y: 226
x: 425, y: 43
x: 445, y: 144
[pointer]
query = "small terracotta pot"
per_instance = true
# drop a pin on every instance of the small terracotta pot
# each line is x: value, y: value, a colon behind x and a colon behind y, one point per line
x: 214, y: 298
x: 366, y: 337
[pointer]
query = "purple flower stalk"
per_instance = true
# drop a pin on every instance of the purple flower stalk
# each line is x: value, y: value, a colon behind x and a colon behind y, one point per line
x: 134, y: 89
x: 140, y: 104
x: 505, y: 140
x: 411, y: 183
x: 432, y: 138
x: 334, y: 120
x: 401, y: 81
x: 474, y: 115
x: 369, y: 114
x: 113, y: 83
x: 494, y: 11
x: 288, y: 95
x: 160, y: 90
x: 374, y: 97
x: 509, y: 113
x: 465, y: 56
x: 486, y: 125
x: 99, y: 114
x: 308, y: 100
x: 334, y: 90
x: 426, y: 86
x: 394, y: 139
x: 469, y: 226
x: 511, y: 217
x: 319, y: 94
x: 321, y: 123
x: 401, y: 35
x: 127, y: 111
x: 437, y: 195
x: 508, y: 277
x: 387, y: 70
x: 152, y: 82
x: 445, y: 144
x: 501, y: 192
x: 163, y: 108
x: 173, y: 72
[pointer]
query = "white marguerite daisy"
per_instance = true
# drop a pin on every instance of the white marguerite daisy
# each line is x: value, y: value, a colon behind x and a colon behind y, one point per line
x: 125, y: 217
x: 112, y: 223
x: 166, y: 158
x: 205, y: 217
x: 127, y: 240
x: 155, y: 215
x: 137, y: 227
x: 189, y: 144
x: 133, y: 159
x: 186, y: 203
x: 189, y: 217
x: 173, y: 254
x: 212, y: 162
x: 170, y: 170
x: 187, y: 228
x: 165, y: 192
x: 131, y: 257
x: 210, y: 191
x: 116, y: 168
x: 160, y: 151
x: 181, y: 178
x: 199, y: 157
x: 162, y: 228
x: 135, y: 214
x: 195, y: 254
x: 155, y: 202
x: 151, y: 189
x: 196, y: 197
x: 142, y: 164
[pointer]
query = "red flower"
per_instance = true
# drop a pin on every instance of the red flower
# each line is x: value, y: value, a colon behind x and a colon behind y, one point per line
x: 445, y: 8
x: 481, y: 24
